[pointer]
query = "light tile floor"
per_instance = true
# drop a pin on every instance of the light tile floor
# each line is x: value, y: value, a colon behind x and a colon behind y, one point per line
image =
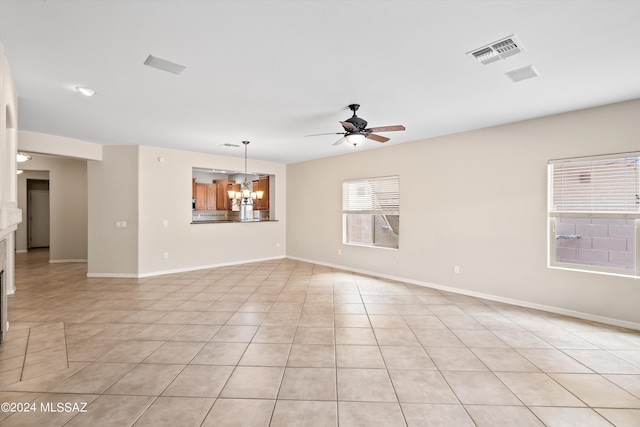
x: 288, y: 343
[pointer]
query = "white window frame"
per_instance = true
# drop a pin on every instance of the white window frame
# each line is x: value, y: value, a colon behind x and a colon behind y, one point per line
x: 603, y: 207
x: 370, y: 196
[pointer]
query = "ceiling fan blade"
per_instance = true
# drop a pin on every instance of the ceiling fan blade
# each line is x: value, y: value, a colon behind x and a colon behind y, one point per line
x: 385, y: 128
x: 349, y: 127
x: 330, y: 133
x: 375, y: 137
x: 338, y: 142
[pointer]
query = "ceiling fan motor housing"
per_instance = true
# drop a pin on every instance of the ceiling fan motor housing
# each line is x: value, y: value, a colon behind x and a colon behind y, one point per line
x: 361, y: 124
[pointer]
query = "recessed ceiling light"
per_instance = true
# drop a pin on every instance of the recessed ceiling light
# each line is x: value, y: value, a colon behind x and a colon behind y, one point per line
x: 21, y: 157
x: 85, y: 90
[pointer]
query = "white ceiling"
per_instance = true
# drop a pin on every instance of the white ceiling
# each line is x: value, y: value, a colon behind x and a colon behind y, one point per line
x: 273, y: 71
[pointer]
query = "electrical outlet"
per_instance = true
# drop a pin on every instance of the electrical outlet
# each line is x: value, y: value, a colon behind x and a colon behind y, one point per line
x: 339, y: 251
x: 456, y: 269
x: 166, y: 222
x: 277, y: 244
x: 121, y: 224
x: 166, y: 255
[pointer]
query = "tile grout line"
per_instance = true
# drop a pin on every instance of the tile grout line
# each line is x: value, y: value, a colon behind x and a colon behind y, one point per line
x: 26, y: 351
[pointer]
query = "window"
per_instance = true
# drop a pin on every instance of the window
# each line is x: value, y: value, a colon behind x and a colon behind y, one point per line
x: 594, y: 210
x: 371, y: 211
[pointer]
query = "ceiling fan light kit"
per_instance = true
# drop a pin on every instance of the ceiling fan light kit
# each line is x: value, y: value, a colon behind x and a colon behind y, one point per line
x: 355, y: 130
x: 354, y: 138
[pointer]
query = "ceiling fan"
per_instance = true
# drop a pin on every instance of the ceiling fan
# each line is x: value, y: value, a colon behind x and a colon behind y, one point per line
x: 355, y: 130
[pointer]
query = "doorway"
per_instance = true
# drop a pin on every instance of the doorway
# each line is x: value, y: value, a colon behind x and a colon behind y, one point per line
x: 37, y: 213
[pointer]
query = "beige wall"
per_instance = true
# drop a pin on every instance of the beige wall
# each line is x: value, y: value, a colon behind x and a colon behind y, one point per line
x: 477, y: 200
x: 8, y: 132
x: 113, y: 196
x: 10, y: 215
x: 165, y: 194
x: 131, y: 184
x: 67, y: 204
x: 65, y: 161
x: 35, y: 142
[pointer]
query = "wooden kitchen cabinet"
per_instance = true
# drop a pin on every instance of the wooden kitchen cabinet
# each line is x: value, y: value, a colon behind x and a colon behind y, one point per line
x: 205, y: 195
x: 223, y: 203
x: 211, y: 196
x: 261, y: 184
x: 200, y: 196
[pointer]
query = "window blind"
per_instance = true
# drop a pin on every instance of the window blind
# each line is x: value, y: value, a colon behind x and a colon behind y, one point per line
x: 371, y: 195
x: 596, y: 184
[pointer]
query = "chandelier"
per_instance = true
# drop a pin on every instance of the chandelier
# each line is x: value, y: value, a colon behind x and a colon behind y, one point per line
x: 245, y: 196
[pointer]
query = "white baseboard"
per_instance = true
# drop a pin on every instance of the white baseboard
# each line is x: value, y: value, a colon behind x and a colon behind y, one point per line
x: 21, y: 251
x: 114, y: 275
x: 62, y: 261
x: 204, y: 267
x: 181, y: 270
x: 490, y: 297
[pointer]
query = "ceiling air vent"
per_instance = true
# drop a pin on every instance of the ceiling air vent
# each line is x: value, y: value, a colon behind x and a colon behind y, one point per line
x: 496, y: 51
x: 164, y: 65
x: 230, y: 145
x: 521, y: 74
